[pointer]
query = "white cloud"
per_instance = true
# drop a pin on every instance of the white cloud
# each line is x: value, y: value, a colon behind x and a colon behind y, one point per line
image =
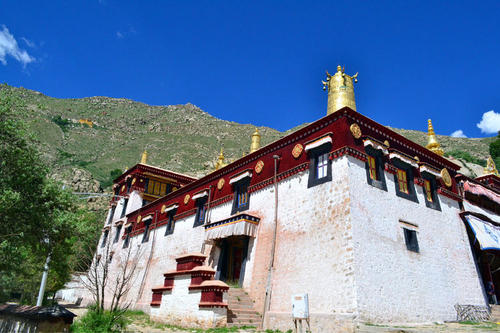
x: 458, y: 134
x: 28, y: 42
x: 119, y: 35
x: 8, y: 46
x: 490, y: 123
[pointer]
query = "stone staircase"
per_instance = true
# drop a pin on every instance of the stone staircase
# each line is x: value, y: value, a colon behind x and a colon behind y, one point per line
x: 240, y: 309
x: 495, y: 313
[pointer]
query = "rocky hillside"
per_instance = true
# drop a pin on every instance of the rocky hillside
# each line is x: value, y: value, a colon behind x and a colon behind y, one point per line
x: 85, y: 139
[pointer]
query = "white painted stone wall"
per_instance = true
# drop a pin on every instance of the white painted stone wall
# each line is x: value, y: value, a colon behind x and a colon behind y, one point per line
x: 397, y: 285
x: 181, y: 307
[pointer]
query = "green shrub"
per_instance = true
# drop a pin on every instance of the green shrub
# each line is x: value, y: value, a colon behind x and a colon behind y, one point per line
x: 63, y: 123
x: 100, y: 322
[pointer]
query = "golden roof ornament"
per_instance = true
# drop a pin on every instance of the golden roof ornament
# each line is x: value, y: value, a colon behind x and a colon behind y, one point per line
x: 432, y: 142
x: 255, y: 141
x: 144, y: 157
x: 491, y: 168
x: 340, y: 90
x: 220, y: 160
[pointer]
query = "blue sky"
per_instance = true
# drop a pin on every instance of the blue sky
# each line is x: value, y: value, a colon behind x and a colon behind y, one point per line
x: 262, y: 62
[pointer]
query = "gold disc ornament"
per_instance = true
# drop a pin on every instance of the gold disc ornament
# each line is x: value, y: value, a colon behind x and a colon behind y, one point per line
x: 123, y: 188
x: 134, y: 180
x: 445, y: 175
x: 259, y: 166
x: 163, y: 209
x: 186, y: 199
x: 297, y: 150
x: 355, y: 131
x: 220, y: 184
x: 139, y: 219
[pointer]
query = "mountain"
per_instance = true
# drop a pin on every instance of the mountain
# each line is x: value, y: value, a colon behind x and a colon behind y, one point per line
x: 95, y: 135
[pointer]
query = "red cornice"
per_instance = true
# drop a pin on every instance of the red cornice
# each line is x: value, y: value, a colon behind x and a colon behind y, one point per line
x: 141, y: 168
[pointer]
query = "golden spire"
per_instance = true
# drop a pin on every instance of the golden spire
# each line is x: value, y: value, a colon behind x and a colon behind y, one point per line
x: 255, y: 141
x: 220, y: 160
x: 432, y: 142
x: 340, y: 90
x: 144, y: 158
x: 490, y: 168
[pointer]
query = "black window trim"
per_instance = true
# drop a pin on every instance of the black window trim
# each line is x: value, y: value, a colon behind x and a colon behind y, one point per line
x: 200, y: 203
x: 239, y: 187
x: 413, y: 247
x: 117, y: 234
x: 126, y: 241
x: 378, y: 155
x: 170, y: 226
x: 105, y: 238
x: 435, y: 197
x: 124, y: 208
x: 314, y: 154
x: 111, y: 213
x: 410, y: 176
x: 147, y: 230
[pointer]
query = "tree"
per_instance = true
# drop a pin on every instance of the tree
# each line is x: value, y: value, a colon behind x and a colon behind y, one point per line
x: 37, y: 216
x: 495, y: 150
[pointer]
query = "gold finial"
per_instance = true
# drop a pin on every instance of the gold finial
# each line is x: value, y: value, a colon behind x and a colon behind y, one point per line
x: 432, y: 142
x: 144, y: 158
x: 340, y: 90
x: 491, y: 168
x: 255, y: 141
x: 220, y: 160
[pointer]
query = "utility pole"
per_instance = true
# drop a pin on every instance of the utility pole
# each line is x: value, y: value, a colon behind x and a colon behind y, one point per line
x: 44, y: 281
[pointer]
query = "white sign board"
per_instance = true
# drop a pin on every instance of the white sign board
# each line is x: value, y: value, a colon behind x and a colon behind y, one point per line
x: 300, y: 306
x: 486, y: 233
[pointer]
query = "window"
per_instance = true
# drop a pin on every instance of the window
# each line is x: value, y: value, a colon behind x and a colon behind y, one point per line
x: 411, y: 240
x: 127, y: 237
x: 111, y: 213
x: 430, y: 191
x: 105, y: 238
x: 124, y: 209
x: 157, y: 188
x: 111, y: 254
x: 98, y: 259
x: 117, y: 235
x: 147, y: 224
x: 171, y: 223
x: 241, y: 196
x: 375, y: 168
x: 145, y: 202
x: 201, y: 211
x: 320, y: 167
x: 402, y: 181
x: 372, y: 165
x: 129, y: 184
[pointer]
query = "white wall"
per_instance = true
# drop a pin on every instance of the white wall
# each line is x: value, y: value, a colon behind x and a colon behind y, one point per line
x: 394, y: 284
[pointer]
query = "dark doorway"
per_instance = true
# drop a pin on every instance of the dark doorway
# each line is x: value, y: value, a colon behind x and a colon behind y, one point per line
x: 231, y: 266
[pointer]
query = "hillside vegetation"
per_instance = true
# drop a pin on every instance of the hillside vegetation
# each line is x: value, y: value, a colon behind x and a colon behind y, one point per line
x: 181, y: 138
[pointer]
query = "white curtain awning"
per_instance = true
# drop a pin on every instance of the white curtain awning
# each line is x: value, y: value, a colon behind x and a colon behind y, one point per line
x: 240, y: 177
x: 200, y: 195
x: 404, y: 159
x: 429, y: 170
x: 147, y: 218
x: 375, y: 145
x: 317, y: 143
x: 486, y: 233
x: 239, y: 225
x: 171, y: 207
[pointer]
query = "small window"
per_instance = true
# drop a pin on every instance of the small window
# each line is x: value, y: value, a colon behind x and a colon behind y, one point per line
x: 145, y: 237
x: 129, y: 184
x: 402, y: 181
x: 124, y: 209
x: 320, y: 166
x: 98, y: 259
x: 171, y: 223
x: 430, y: 191
x: 375, y: 168
x: 127, y: 237
x: 411, y: 240
x: 111, y: 214
x: 105, y: 238
x: 111, y: 254
x: 117, y: 235
x: 201, y: 211
x: 241, y: 196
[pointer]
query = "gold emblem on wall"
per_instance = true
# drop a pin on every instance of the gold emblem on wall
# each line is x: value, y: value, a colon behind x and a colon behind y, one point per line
x: 134, y: 180
x: 387, y: 144
x: 186, y: 199
x: 123, y: 188
x: 355, y: 131
x: 445, y: 175
x: 259, y: 166
x: 297, y: 150
x: 220, y: 184
x: 163, y: 209
x: 139, y: 219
